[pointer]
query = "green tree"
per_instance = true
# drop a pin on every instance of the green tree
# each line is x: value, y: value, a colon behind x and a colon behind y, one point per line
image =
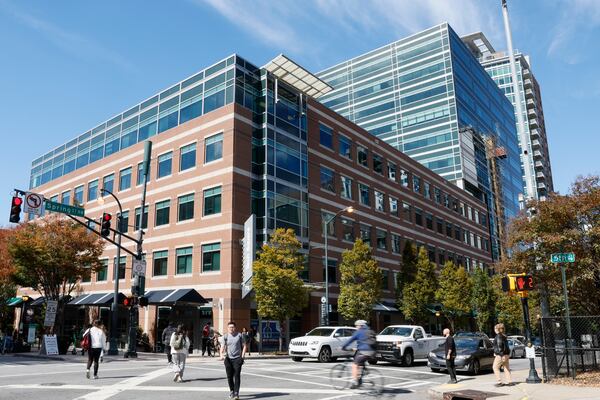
x: 7, y: 287
x: 52, y: 256
x: 483, y: 300
x: 420, y: 293
x: 408, y: 270
x: 279, y: 291
x: 454, y: 292
x: 360, y: 282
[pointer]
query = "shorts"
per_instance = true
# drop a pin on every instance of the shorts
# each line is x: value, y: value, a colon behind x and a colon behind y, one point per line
x: 361, y: 359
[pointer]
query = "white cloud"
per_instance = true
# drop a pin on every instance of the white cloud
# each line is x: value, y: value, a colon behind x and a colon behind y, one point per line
x: 579, y: 17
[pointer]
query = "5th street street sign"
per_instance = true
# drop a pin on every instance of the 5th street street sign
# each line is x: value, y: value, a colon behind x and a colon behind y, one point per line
x: 562, y: 258
x: 63, y: 208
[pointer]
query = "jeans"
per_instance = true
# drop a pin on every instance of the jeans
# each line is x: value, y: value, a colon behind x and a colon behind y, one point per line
x: 94, y: 356
x: 233, y: 368
x: 179, y: 361
x: 451, y: 368
x: 169, y: 355
x: 206, y: 345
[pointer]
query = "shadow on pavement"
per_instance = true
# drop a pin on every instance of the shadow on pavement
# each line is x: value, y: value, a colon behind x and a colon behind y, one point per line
x: 262, y: 395
x: 204, y: 379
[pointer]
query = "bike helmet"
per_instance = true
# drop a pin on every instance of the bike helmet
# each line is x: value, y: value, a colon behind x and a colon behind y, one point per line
x: 360, y: 322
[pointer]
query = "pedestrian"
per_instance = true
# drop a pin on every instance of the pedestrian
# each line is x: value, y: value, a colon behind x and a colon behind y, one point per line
x: 246, y: 338
x: 180, y: 344
x: 166, y: 338
x: 82, y: 333
x: 450, y: 352
x: 206, y: 339
x: 103, y: 327
x: 501, y: 356
x: 97, y: 343
x: 234, y: 348
x: 253, y: 339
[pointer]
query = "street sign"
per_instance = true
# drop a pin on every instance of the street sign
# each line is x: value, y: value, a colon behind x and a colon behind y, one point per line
x: 562, y: 258
x: 248, y: 254
x: 51, y: 309
x: 529, y: 352
x: 51, y: 345
x: 33, y: 203
x: 139, y: 267
x: 64, y: 208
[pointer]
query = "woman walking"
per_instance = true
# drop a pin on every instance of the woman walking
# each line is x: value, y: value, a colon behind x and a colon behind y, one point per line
x: 246, y: 338
x: 97, y: 340
x: 180, y: 345
x: 502, y: 356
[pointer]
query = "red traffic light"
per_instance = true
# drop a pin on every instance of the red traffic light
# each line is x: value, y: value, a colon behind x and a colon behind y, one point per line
x: 128, y: 301
x: 106, y: 217
x: 17, y: 201
x: 15, y: 209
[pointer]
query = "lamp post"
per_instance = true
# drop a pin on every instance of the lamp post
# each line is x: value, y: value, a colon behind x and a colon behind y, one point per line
x: 113, y: 349
x: 349, y: 209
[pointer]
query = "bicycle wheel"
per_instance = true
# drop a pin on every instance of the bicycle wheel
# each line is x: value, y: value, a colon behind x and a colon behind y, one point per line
x: 372, y: 381
x: 340, y: 376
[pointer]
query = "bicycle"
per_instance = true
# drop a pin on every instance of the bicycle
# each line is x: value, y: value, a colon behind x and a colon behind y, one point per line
x: 369, y: 380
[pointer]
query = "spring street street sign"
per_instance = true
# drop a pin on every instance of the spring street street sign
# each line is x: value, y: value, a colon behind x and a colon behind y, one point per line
x: 64, y: 208
x: 562, y: 258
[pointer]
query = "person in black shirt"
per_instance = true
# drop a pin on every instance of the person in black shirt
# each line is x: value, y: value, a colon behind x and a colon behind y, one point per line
x: 450, y: 351
x: 501, y: 356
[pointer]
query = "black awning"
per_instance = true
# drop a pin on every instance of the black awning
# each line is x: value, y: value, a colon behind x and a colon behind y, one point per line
x: 38, y: 302
x: 172, y: 296
x: 95, y: 299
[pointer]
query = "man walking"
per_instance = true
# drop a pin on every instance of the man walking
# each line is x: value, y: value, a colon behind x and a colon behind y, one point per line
x: 97, y: 343
x: 166, y: 340
x: 234, y: 348
x: 205, y: 339
x: 450, y: 351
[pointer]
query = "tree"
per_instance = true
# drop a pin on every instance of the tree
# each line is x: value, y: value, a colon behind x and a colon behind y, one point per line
x: 408, y: 270
x: 52, y: 256
x: 360, y: 282
x: 508, y: 307
x: 454, y: 292
x: 483, y: 300
x: 279, y: 291
x: 420, y: 293
x: 7, y: 288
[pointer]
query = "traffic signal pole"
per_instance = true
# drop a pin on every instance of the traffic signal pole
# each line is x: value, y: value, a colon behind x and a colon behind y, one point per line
x: 533, y: 375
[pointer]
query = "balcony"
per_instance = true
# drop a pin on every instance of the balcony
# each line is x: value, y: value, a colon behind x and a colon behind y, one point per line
x: 529, y: 94
x: 528, y: 83
x: 536, y: 144
x: 532, y: 112
x: 541, y: 185
x: 537, y: 154
x: 540, y: 175
x: 538, y: 165
x: 530, y: 102
x: 533, y: 123
x: 526, y: 72
x: 534, y: 133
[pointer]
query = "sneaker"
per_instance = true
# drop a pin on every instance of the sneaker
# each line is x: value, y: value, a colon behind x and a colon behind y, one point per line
x: 176, y: 377
x: 499, y: 384
x: 236, y: 396
x: 95, y: 376
x: 87, y: 374
x: 231, y: 396
x: 451, y: 382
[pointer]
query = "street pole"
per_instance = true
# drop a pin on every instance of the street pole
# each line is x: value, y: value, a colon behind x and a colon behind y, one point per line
x: 533, y: 375
x: 568, y: 343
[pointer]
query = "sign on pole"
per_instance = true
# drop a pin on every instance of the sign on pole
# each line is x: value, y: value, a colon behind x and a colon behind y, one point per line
x: 33, y: 203
x: 64, y: 208
x: 556, y: 258
x: 248, y: 254
x: 139, y: 267
x: 51, y: 309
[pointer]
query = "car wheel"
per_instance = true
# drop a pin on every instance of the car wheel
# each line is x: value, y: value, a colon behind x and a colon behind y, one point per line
x: 325, y: 354
x: 435, y: 370
x: 297, y: 359
x: 475, y: 367
x: 408, y: 358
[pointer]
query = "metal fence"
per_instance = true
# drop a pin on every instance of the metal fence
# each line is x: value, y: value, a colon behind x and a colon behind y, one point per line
x: 570, y: 347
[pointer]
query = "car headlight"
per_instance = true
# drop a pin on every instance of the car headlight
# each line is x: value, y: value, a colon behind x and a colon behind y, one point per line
x: 462, y: 357
x: 398, y: 343
x: 314, y: 342
x: 432, y: 354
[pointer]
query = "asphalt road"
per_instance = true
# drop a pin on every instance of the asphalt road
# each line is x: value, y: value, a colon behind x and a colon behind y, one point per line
x: 150, y: 378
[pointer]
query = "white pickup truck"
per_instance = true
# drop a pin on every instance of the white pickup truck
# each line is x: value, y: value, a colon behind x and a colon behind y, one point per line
x: 405, y: 343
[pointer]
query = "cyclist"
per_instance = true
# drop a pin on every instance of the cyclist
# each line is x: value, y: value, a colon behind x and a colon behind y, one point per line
x: 365, y: 348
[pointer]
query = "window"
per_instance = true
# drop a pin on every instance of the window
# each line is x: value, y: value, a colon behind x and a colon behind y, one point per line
x: 437, y: 195
x: 429, y: 221
x: 441, y: 256
x: 346, y: 191
x: 125, y: 179
x: 78, y: 195
x: 395, y: 243
x: 66, y: 197
x: 331, y: 271
x: 122, y: 265
x: 161, y: 216
x: 416, y: 184
x: 418, y: 216
x: 185, y: 209
x: 381, y: 239
x: 448, y: 229
x: 144, y: 219
x: 213, y: 148
x: 108, y: 184
x: 385, y: 279
x: 164, y: 164
x: 212, y: 201
x: 345, y: 147
x: 440, y: 225
x: 457, y: 233
x: 140, y: 174
x: 378, y: 164
x: 102, y: 274
x: 160, y: 261
x: 327, y: 177
x: 123, y: 222
x: 211, y: 257
x: 365, y: 233
x: 427, y: 190
x: 364, y: 194
x: 326, y: 136
x: 404, y: 178
x: 347, y: 229
x: 362, y: 156
x: 394, y: 206
x: 187, y: 157
x: 184, y: 261
x: 325, y: 216
x: 391, y: 167
x: 406, y: 210
x: 379, y: 206
x: 431, y: 253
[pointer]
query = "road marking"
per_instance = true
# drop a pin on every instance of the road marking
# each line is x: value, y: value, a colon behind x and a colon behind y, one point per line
x: 62, y: 371
x: 127, y: 384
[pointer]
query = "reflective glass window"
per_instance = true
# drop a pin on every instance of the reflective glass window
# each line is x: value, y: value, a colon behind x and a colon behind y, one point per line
x: 187, y: 158
x: 212, y: 201
x: 92, y: 190
x: 160, y: 260
x: 326, y: 136
x: 211, y: 257
x: 165, y: 164
x: 213, y: 148
x: 184, y: 261
x: 185, y: 209
x: 125, y: 179
x: 108, y: 183
x: 162, y: 213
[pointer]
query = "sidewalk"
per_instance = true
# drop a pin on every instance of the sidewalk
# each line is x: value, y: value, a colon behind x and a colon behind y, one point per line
x: 520, y: 391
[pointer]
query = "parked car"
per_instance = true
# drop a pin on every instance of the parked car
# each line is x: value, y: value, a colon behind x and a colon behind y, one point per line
x: 323, y: 343
x: 537, y: 346
x: 520, y: 338
x: 405, y: 343
x: 471, y: 334
x: 517, y: 348
x: 472, y: 354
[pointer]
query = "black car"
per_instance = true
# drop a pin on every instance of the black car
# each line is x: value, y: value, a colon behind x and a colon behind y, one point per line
x: 473, y: 354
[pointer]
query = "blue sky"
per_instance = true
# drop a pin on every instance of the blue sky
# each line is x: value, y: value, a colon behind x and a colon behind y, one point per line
x: 66, y: 66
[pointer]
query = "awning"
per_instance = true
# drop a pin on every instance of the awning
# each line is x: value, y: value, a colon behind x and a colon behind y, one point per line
x: 385, y: 306
x: 14, y: 301
x: 295, y: 75
x: 172, y: 296
x: 95, y: 299
x: 38, y: 302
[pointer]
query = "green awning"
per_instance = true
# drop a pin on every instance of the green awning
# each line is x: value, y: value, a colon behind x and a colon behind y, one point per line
x: 14, y: 301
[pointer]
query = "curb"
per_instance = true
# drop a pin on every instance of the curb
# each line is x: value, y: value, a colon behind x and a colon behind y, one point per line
x: 39, y: 356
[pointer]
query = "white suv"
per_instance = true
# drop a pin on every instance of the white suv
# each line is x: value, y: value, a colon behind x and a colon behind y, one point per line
x: 324, y: 343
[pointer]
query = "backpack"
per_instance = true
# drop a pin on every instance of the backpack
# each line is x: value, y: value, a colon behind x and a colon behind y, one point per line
x: 206, y: 331
x: 86, y: 341
x: 371, y: 338
x: 178, y: 345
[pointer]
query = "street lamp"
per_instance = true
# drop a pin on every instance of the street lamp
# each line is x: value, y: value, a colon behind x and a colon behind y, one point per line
x: 348, y: 209
x: 114, y: 309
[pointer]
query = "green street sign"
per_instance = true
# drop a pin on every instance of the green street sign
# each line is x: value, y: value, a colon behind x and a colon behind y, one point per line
x: 63, y: 208
x: 562, y: 258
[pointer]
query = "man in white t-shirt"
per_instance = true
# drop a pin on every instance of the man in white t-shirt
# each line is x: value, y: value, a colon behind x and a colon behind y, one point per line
x: 97, y: 341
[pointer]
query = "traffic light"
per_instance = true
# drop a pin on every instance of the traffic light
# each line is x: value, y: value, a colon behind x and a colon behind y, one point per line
x: 15, y: 209
x: 129, y: 301
x: 523, y: 283
x: 143, y: 301
x: 105, y: 226
x: 506, y: 284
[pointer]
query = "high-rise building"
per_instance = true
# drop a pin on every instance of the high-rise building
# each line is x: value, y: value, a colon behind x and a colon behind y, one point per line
x: 235, y: 140
x: 497, y: 65
x: 427, y: 96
